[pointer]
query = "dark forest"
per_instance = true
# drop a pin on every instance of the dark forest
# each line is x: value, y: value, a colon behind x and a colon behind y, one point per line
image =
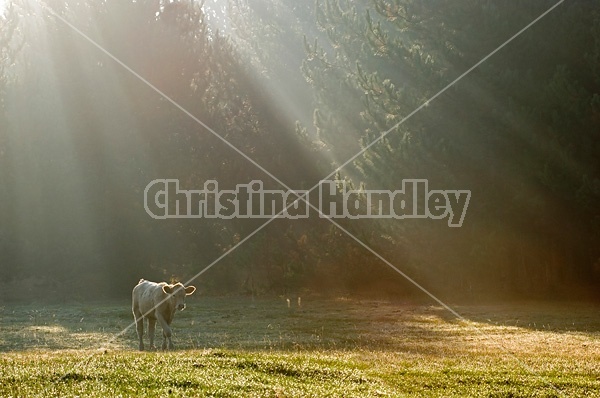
x: 300, y: 89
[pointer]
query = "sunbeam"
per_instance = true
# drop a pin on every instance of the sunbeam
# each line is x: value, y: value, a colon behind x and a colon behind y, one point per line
x: 457, y: 252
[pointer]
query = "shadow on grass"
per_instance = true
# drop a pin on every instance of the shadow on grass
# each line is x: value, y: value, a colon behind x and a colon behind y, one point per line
x: 319, y: 324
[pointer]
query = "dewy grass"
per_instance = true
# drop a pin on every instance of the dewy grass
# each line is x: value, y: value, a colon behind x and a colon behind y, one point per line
x: 235, y: 347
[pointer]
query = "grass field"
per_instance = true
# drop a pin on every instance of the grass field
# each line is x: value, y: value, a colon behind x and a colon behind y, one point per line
x: 236, y: 347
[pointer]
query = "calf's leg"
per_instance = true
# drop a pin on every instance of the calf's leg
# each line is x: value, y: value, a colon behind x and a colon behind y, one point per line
x: 151, y: 327
x: 166, y: 333
x: 139, y: 327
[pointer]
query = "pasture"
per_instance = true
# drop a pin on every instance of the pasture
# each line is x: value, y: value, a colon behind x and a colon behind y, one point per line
x: 237, y: 347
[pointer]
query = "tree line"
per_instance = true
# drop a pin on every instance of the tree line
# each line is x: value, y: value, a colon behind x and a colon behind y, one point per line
x: 300, y: 89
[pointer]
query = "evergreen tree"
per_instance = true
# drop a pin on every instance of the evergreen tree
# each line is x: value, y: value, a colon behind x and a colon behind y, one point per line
x: 520, y: 131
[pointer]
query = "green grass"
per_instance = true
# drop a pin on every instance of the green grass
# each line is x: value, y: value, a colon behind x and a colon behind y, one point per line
x: 234, y: 347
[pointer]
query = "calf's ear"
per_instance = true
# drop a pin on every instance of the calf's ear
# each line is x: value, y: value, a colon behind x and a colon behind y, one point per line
x: 189, y: 290
x: 167, y: 289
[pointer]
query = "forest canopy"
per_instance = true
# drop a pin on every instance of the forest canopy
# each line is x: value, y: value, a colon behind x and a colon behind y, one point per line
x: 96, y: 99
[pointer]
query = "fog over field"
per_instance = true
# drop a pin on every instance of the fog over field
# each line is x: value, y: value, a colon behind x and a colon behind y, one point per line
x: 388, y: 181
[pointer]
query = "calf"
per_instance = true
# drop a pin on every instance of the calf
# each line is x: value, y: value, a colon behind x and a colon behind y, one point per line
x: 157, y: 301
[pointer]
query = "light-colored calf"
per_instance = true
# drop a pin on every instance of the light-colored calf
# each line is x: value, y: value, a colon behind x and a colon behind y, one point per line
x: 157, y: 301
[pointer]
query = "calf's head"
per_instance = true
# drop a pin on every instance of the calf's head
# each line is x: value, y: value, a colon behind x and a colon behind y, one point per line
x: 177, y: 293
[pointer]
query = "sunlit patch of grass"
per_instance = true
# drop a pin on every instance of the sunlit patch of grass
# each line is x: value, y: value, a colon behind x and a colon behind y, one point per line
x: 59, y: 326
x: 46, y: 329
x: 221, y: 373
x: 234, y: 347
